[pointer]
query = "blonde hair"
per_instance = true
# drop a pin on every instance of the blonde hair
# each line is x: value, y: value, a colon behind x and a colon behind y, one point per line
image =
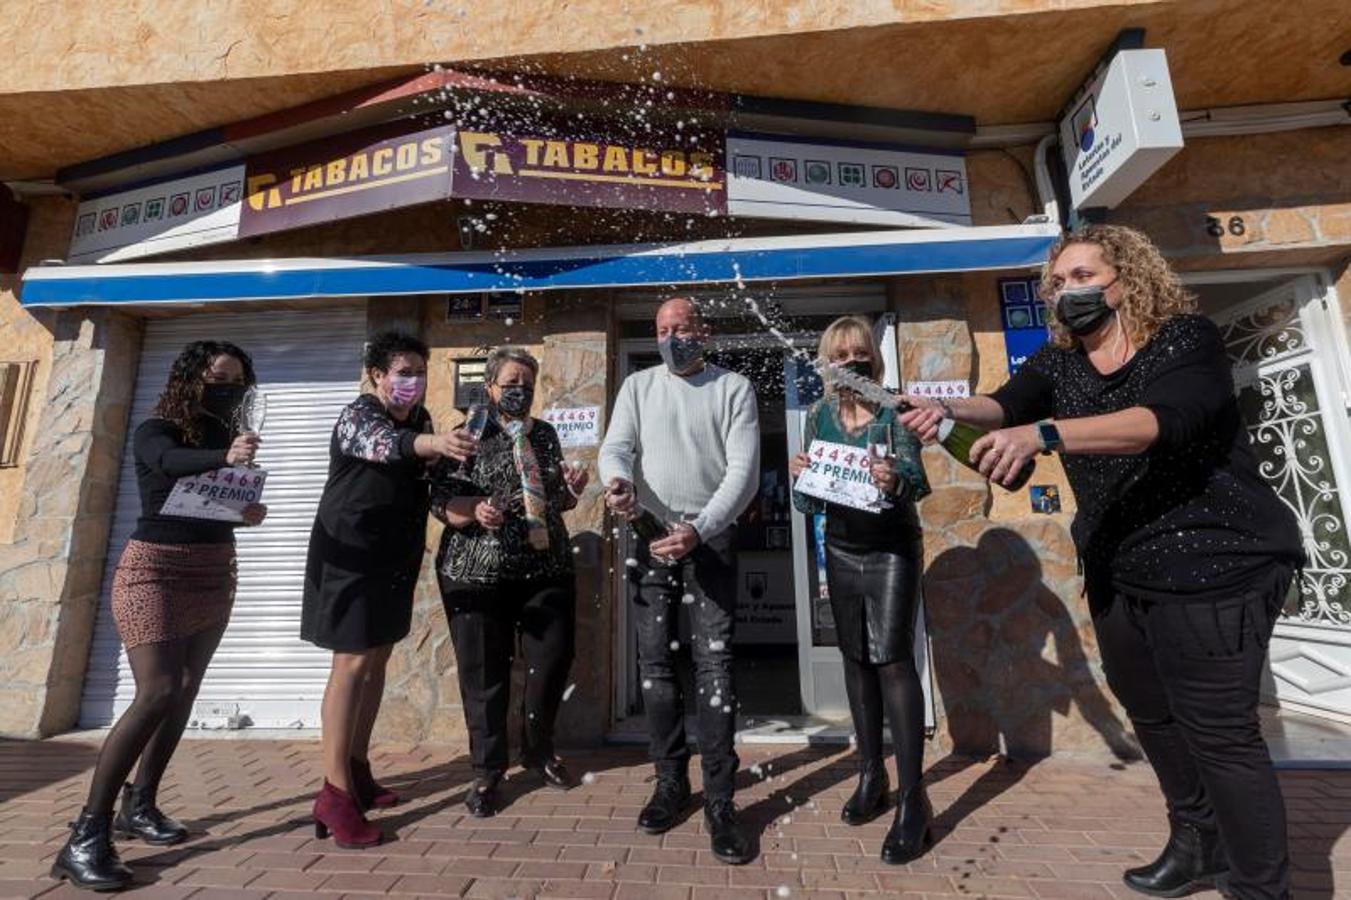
x: 844, y: 331
x: 1151, y: 292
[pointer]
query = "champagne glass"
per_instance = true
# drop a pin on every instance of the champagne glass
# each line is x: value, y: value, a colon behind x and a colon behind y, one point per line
x: 251, y: 414
x: 879, y: 441
x: 475, y: 423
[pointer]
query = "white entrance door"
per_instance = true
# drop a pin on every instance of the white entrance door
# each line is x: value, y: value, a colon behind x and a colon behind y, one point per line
x: 1290, y: 371
x: 308, y: 363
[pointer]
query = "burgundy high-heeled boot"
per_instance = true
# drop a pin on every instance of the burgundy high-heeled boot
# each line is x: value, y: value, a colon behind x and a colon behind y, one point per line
x: 337, y: 811
x: 370, y: 793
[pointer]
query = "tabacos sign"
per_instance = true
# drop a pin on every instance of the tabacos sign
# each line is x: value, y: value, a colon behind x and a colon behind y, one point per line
x: 349, y: 175
x: 683, y: 176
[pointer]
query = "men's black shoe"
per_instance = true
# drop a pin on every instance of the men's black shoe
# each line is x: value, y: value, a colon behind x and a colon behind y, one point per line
x: 481, y: 799
x: 670, y: 798
x: 729, y: 842
x: 555, y: 775
x: 1193, y: 858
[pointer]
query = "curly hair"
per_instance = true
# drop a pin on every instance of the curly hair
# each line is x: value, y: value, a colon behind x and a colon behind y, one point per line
x: 182, y: 395
x: 381, y: 349
x: 1151, y: 291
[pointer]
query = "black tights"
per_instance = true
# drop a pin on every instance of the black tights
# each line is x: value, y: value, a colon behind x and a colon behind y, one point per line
x: 894, y: 687
x: 167, y: 677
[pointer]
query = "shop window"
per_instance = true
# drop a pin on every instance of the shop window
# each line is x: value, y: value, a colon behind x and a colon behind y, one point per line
x: 16, y: 381
x: 469, y: 382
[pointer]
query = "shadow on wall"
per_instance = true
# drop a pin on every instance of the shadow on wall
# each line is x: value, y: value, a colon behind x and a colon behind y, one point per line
x: 1009, y: 656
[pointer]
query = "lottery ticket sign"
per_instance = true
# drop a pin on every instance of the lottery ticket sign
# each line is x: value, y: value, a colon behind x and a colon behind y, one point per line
x: 939, y: 389
x: 577, y: 426
x: 840, y: 474
x: 220, y: 494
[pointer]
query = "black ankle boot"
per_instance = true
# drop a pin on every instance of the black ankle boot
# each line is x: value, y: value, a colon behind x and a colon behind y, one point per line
x: 870, y: 797
x: 909, y: 835
x: 89, y: 860
x: 1191, y: 859
x: 139, y: 817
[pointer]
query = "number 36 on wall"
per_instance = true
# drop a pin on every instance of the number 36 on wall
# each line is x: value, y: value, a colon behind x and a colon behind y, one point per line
x: 1216, y: 228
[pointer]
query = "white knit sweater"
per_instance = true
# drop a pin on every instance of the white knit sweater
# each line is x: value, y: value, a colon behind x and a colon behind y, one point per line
x: 690, y: 445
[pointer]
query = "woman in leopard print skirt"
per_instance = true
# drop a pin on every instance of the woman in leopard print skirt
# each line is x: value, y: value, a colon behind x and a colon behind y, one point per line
x: 171, y: 598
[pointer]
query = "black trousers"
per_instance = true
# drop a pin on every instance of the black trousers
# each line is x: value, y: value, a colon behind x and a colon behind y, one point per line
x: 707, y: 577
x: 484, y: 625
x: 1189, y: 676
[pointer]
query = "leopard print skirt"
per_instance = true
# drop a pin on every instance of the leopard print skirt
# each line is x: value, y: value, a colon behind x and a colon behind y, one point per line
x: 164, y: 592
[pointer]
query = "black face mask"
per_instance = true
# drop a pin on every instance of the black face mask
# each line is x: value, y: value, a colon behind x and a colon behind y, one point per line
x: 222, y: 399
x: 860, y: 367
x: 681, y: 354
x: 516, y: 400
x: 1084, y: 310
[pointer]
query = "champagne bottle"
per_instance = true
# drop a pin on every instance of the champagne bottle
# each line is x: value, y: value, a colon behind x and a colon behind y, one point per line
x: 647, y: 526
x: 953, y: 436
x: 957, y: 438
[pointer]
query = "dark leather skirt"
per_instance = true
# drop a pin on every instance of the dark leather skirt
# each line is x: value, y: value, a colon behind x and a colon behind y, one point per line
x: 875, y: 596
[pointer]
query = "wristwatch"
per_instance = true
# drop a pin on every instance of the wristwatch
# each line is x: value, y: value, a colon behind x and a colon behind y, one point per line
x: 1049, y: 436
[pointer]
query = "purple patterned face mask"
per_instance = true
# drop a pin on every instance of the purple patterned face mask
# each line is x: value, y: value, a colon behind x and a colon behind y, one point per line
x: 405, y: 390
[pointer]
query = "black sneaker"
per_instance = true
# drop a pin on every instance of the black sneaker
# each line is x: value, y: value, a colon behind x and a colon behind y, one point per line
x: 670, y: 798
x: 555, y: 775
x: 481, y: 798
x: 729, y: 842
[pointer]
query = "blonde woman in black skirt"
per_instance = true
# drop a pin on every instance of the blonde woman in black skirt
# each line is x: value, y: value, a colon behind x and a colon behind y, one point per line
x: 171, y: 599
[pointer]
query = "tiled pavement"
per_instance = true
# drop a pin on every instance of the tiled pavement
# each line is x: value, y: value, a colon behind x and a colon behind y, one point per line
x: 1060, y: 828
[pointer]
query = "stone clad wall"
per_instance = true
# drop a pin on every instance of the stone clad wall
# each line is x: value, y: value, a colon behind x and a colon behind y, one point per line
x: 1240, y: 201
x: 1014, y: 657
x: 58, y: 504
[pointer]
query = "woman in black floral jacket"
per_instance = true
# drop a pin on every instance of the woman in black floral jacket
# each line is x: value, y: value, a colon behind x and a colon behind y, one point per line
x: 364, y: 555
x: 505, y: 568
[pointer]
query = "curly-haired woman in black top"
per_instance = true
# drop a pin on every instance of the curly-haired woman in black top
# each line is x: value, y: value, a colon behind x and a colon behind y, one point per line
x: 1187, y: 553
x: 171, y: 597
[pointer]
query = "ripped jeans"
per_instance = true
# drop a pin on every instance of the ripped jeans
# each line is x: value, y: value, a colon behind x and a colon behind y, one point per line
x: 1189, y: 676
x: 707, y: 577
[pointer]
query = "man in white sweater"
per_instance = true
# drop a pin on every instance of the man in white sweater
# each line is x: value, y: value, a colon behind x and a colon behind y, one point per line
x: 684, y: 443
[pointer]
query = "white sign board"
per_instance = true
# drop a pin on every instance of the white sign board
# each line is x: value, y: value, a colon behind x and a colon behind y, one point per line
x: 220, y: 494
x: 830, y: 182
x: 939, y: 389
x: 577, y: 426
x: 185, y: 212
x: 840, y: 474
x: 1119, y: 129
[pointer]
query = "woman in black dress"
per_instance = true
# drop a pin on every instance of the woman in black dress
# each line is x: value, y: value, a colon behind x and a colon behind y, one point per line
x: 505, y: 569
x: 873, y: 566
x: 1187, y: 553
x: 171, y: 598
x: 364, y: 555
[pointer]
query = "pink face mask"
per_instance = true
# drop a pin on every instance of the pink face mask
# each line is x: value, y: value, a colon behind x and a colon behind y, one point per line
x: 405, y: 390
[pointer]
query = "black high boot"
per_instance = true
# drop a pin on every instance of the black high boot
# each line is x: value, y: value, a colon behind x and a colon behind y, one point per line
x: 909, y: 835
x: 89, y: 860
x: 139, y: 817
x: 1191, y: 859
x: 870, y: 797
